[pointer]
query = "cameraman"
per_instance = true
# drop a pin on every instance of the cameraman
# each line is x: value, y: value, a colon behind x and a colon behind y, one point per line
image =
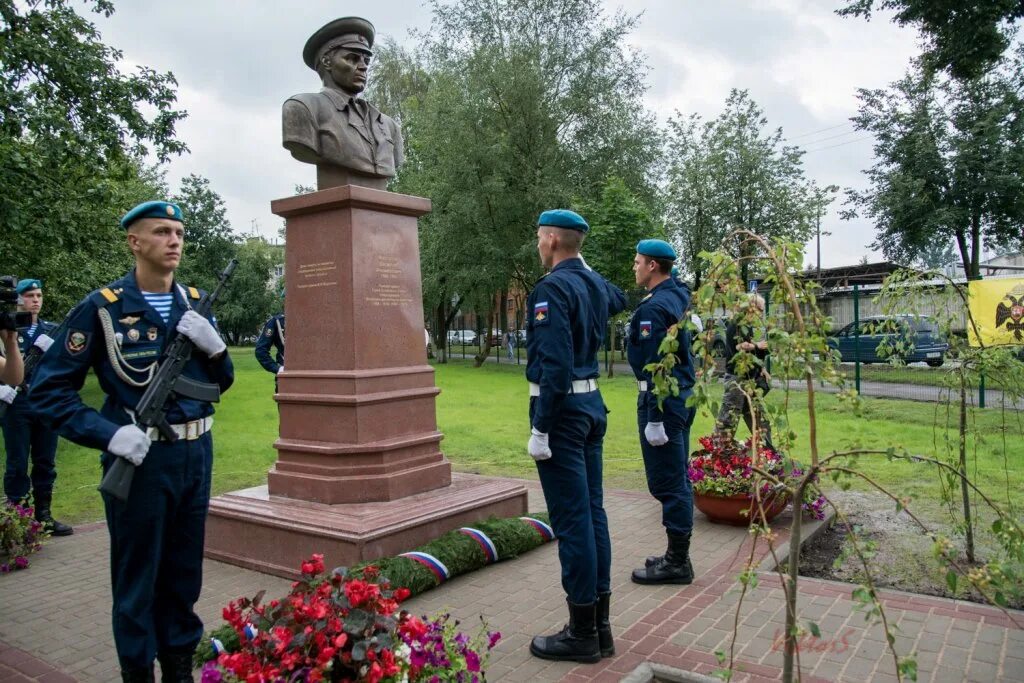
x: 26, y: 439
x: 12, y: 373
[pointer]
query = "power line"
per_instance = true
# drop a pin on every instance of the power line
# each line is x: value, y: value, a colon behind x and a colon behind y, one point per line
x: 832, y: 137
x: 848, y: 142
x: 821, y: 130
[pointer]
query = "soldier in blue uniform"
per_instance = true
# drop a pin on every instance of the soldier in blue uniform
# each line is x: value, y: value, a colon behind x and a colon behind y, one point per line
x: 26, y: 438
x: 665, y: 430
x: 156, y: 535
x: 567, y: 315
x: 272, y: 337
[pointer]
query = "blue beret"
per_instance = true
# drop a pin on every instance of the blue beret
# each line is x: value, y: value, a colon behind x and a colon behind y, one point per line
x: 675, y: 271
x: 656, y: 249
x: 152, y: 210
x: 28, y: 284
x: 563, y: 218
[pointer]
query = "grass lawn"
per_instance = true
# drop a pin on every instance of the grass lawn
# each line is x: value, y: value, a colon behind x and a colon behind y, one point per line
x: 483, y: 413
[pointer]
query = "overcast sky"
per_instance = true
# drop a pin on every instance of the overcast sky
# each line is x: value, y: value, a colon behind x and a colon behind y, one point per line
x: 236, y: 61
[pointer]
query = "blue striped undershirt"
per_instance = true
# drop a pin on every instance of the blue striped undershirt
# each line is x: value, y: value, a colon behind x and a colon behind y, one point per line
x: 161, y: 303
x: 31, y: 330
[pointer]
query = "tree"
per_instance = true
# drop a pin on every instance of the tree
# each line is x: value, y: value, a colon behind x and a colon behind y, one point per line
x: 511, y: 108
x: 732, y: 173
x: 248, y: 300
x: 209, y: 242
x: 964, y: 37
x: 949, y: 164
x: 72, y: 131
x: 618, y: 220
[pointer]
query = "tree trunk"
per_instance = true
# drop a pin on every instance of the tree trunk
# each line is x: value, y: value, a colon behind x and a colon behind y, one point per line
x: 964, y: 490
x: 441, y: 334
x: 485, y: 350
x: 975, y: 271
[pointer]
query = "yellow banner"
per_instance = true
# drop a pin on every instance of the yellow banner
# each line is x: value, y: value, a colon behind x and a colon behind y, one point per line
x: 997, y: 307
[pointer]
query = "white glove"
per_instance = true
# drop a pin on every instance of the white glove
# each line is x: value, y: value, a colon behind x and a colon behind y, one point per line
x: 44, y: 342
x: 585, y: 263
x: 538, y: 445
x: 130, y: 443
x: 8, y: 393
x: 201, y: 332
x: 280, y: 370
x: 655, y: 434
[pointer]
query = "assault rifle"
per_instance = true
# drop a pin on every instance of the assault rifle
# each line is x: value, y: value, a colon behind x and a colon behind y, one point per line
x: 33, y: 356
x: 168, y: 381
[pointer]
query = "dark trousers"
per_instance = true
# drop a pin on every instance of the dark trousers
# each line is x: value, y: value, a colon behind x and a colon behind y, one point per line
x: 156, y: 551
x: 26, y: 439
x: 572, y: 482
x: 666, y: 466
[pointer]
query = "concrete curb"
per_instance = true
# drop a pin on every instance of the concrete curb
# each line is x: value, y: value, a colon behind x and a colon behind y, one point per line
x: 647, y: 673
x: 810, y: 529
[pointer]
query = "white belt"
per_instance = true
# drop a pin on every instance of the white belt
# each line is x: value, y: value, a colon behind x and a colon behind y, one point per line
x: 641, y: 384
x: 579, y: 386
x: 189, y: 431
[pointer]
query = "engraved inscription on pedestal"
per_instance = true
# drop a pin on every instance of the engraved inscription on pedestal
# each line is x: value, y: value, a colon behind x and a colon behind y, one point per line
x: 388, y: 287
x: 317, y: 274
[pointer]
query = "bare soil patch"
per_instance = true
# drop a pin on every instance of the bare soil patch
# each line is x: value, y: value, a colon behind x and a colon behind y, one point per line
x: 902, y: 554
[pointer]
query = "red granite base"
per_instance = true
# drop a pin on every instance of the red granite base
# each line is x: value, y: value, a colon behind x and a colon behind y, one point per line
x: 271, y: 534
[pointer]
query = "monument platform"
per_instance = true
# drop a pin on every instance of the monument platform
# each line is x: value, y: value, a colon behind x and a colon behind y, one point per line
x: 251, y: 528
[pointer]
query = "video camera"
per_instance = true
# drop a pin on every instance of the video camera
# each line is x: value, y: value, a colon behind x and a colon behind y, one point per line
x: 10, y: 317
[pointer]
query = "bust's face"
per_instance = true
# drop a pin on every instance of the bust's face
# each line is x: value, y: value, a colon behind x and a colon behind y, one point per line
x: 347, y: 69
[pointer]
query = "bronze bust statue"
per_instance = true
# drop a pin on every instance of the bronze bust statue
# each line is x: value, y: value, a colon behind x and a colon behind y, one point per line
x: 350, y: 141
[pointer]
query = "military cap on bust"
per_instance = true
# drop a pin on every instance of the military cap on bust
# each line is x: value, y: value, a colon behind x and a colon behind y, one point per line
x: 656, y: 249
x: 27, y: 285
x: 152, y: 210
x: 353, y: 33
x: 563, y: 218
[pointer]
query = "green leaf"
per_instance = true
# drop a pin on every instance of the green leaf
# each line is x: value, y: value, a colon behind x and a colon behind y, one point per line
x: 814, y: 629
x: 951, y: 580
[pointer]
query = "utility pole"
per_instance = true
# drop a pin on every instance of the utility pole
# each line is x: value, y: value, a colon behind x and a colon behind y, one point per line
x: 818, y: 228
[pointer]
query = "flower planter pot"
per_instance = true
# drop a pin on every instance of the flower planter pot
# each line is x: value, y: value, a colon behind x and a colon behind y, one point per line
x: 736, y: 510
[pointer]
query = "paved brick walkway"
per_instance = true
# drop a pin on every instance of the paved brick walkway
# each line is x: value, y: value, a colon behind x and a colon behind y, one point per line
x: 54, y: 618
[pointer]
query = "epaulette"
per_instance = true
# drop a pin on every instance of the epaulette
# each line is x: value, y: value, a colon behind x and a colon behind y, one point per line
x: 106, y: 296
x: 647, y: 297
x: 194, y: 293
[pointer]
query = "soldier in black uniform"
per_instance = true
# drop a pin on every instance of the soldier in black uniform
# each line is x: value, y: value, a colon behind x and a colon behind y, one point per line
x: 664, y: 430
x: 567, y: 315
x: 26, y: 438
x: 156, y: 535
x: 272, y: 338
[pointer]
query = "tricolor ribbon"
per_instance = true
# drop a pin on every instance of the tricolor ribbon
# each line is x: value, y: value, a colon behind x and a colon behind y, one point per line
x: 218, y: 647
x: 546, y: 532
x: 435, y: 565
x: 250, y: 631
x: 490, y: 551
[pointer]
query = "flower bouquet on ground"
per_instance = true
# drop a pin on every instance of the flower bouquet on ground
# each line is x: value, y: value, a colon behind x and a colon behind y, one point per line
x: 723, y: 476
x: 20, y: 536
x: 339, y: 628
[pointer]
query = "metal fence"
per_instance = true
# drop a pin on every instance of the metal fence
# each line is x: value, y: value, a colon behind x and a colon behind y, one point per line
x: 857, y: 333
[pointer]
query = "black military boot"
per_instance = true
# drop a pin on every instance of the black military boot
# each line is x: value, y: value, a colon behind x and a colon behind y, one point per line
x: 654, y: 559
x: 175, y: 667
x: 56, y: 528
x: 130, y: 674
x: 577, y: 642
x: 604, y: 626
x: 674, y: 567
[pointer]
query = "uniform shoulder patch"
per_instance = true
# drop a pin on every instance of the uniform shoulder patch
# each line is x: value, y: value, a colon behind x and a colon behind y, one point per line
x: 76, y: 342
x: 541, y: 312
x: 645, y: 329
x: 105, y: 296
x: 194, y: 293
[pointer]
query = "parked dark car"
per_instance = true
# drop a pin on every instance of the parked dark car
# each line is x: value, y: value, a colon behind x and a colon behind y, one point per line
x: 920, y: 337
